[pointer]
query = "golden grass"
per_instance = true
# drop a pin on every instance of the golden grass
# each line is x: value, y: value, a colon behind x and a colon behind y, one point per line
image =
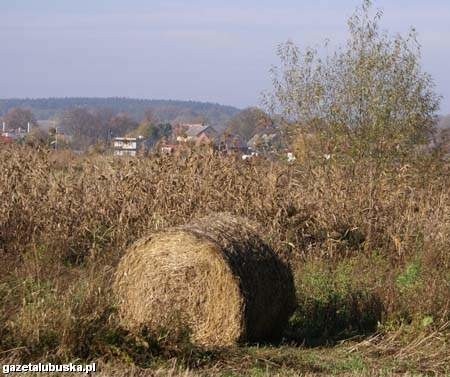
x: 65, y: 222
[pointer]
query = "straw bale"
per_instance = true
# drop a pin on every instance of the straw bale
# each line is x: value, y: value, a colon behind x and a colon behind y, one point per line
x: 216, y: 276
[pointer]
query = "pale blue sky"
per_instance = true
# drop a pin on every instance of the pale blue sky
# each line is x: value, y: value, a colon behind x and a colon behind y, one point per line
x: 217, y: 51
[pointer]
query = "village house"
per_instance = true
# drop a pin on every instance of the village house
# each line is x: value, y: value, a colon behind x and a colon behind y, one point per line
x: 196, y: 133
x: 5, y: 140
x: 127, y: 146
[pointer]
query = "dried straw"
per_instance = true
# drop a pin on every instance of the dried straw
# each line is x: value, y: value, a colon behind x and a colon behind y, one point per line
x: 216, y: 276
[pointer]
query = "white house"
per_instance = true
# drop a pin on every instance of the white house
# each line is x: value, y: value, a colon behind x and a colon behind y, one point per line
x: 127, y: 146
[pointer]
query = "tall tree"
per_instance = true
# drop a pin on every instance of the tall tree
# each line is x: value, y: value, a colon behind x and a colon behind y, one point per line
x: 19, y: 118
x: 248, y: 122
x: 82, y: 125
x: 371, y: 91
x: 152, y: 132
x: 121, y: 124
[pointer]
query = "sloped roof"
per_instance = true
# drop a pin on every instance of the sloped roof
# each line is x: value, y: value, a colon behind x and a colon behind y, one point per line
x: 194, y: 130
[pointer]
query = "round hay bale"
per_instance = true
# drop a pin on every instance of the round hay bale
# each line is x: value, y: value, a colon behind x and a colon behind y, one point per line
x: 216, y: 276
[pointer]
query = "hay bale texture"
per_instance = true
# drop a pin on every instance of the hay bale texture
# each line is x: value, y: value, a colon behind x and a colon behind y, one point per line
x: 216, y: 276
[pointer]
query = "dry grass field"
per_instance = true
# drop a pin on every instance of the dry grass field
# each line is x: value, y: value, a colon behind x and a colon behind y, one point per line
x: 368, y: 243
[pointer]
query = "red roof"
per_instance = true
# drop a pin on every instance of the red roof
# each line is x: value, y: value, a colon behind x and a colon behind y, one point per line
x: 6, y: 140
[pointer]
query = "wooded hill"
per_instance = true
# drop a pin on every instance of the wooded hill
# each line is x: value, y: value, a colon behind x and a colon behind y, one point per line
x: 165, y: 110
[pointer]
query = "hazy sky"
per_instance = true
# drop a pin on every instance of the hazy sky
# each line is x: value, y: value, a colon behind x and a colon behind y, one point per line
x: 217, y: 51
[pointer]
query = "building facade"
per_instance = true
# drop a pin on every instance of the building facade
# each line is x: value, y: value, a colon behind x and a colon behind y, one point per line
x: 127, y: 146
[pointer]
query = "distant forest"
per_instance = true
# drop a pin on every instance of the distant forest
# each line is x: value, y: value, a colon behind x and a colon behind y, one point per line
x: 165, y: 110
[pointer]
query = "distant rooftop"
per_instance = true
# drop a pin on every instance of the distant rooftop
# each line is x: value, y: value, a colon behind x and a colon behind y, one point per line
x: 193, y: 130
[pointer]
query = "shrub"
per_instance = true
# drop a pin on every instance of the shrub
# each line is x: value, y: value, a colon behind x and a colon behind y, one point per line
x: 368, y: 99
x: 332, y: 305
